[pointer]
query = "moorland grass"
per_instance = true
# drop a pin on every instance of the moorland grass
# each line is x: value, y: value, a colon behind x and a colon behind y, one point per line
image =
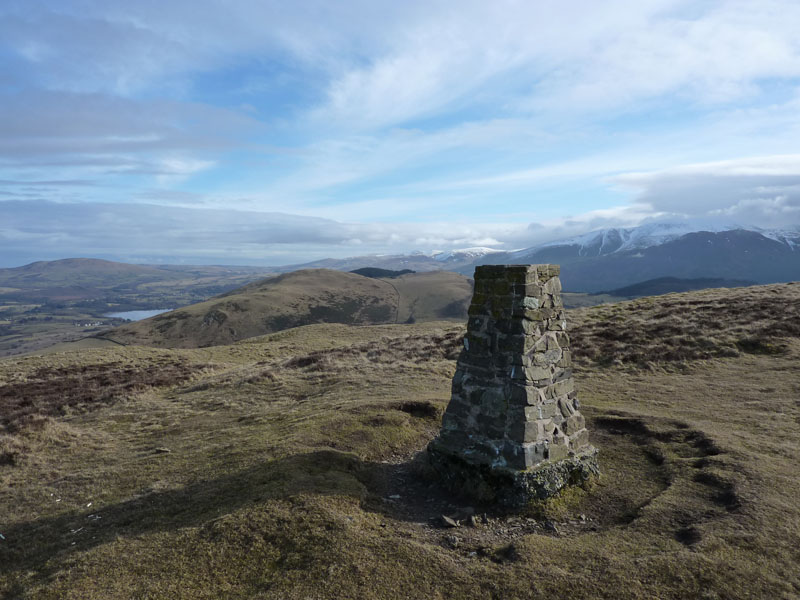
x: 288, y: 466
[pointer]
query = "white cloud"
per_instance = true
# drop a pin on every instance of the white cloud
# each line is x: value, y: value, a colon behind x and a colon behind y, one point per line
x: 762, y: 190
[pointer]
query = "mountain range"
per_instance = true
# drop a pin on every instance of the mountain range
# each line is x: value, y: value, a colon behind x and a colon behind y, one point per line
x: 618, y: 257
x: 601, y: 260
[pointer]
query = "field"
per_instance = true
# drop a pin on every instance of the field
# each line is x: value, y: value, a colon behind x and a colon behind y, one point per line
x: 290, y: 465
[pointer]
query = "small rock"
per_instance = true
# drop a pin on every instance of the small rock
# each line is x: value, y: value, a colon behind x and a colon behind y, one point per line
x: 395, y: 496
x: 162, y: 450
x: 484, y: 519
x: 453, y: 541
x: 448, y: 522
x: 550, y: 526
x: 473, y: 521
x: 583, y: 517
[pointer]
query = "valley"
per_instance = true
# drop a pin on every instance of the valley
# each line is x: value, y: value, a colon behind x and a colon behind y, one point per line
x: 47, y: 303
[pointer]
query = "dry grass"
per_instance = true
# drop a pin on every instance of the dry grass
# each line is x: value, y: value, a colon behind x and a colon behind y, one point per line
x: 286, y: 469
x: 684, y: 327
x: 51, y: 391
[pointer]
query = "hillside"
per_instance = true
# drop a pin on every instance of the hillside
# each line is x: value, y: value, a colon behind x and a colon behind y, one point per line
x: 432, y: 296
x: 669, y: 285
x: 288, y: 466
x: 73, y: 279
x: 76, y: 278
x: 302, y: 298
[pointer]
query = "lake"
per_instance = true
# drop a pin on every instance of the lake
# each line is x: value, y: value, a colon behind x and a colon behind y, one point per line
x: 137, y: 315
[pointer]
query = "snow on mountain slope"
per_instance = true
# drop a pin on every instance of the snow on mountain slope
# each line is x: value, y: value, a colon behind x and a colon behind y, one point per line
x: 615, y: 240
x: 464, y: 254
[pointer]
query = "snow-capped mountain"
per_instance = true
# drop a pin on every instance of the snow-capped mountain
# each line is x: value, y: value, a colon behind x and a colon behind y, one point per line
x: 464, y: 254
x: 608, y: 241
x: 617, y: 257
x: 614, y: 258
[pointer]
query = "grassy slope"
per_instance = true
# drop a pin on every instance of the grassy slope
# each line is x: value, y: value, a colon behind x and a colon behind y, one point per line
x: 431, y: 296
x: 281, y: 467
x: 300, y: 298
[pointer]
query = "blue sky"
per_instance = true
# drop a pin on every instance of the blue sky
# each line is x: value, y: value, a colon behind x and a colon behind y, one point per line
x: 258, y: 132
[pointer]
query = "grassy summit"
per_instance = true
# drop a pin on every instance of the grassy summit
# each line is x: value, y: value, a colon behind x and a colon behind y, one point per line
x: 284, y: 466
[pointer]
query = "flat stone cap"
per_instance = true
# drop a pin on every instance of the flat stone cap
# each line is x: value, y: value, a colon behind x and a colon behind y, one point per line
x: 513, y: 272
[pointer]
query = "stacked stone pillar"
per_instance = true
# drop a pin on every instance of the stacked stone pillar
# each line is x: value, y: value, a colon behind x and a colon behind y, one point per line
x: 513, y: 430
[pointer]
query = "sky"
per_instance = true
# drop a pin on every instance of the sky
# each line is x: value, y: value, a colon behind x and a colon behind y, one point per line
x: 269, y: 132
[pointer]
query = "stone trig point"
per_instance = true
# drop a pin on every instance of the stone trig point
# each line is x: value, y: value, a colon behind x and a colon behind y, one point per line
x: 512, y: 431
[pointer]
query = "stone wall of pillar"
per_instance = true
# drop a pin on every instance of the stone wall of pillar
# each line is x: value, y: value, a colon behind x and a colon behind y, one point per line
x: 514, y: 404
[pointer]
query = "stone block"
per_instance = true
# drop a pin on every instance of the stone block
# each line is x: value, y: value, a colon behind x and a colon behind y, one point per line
x: 557, y: 452
x: 477, y: 310
x: 500, y: 287
x: 535, y: 453
x: 514, y: 456
x: 536, y: 373
x: 525, y: 395
x: 565, y: 407
x: 479, y: 298
x: 549, y: 410
x: 579, y: 440
x: 530, y: 302
x: 524, y: 431
x: 511, y: 343
x: 493, y: 402
x: 552, y: 286
x: 564, y: 385
x: 556, y: 324
x: 528, y: 289
x: 547, y: 358
x: 517, y: 275
x: 531, y: 314
x: 488, y: 272
x: 574, y: 424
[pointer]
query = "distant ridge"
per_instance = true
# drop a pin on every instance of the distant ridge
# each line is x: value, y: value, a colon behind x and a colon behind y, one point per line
x: 668, y: 285
x: 375, y: 272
